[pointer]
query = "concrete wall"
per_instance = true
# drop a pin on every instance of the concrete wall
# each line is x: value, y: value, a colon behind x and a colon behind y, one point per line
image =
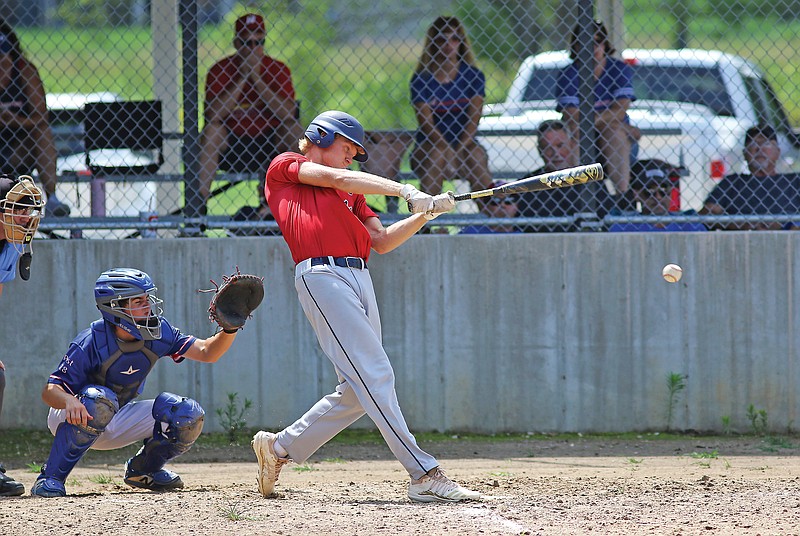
x: 487, y: 333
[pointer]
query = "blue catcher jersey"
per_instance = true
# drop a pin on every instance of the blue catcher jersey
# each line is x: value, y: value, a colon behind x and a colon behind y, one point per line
x: 8, y: 261
x: 97, y: 357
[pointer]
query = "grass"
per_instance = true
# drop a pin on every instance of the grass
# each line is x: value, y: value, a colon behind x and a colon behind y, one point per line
x: 705, y: 455
x: 102, y: 479
x: 235, y: 512
x: 32, y: 447
x: 305, y: 468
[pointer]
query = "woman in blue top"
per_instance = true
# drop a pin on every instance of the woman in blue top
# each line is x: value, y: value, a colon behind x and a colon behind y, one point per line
x: 447, y: 91
x: 613, y: 92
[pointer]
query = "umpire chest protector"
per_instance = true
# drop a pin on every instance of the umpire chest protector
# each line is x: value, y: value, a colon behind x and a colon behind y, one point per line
x: 124, y: 365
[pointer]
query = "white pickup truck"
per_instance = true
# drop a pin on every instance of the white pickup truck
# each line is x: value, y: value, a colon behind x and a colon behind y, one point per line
x: 693, y: 107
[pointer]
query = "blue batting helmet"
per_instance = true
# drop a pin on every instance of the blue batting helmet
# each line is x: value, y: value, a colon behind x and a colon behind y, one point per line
x: 323, y: 129
x: 118, y: 284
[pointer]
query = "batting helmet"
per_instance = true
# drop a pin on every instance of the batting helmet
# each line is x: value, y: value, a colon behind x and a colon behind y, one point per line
x: 323, y: 129
x: 22, y: 207
x: 118, y: 284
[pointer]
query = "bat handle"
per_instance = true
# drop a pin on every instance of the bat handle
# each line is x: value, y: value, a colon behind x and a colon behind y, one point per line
x: 462, y: 197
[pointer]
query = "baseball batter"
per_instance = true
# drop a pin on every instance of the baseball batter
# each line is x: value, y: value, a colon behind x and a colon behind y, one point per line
x: 320, y: 207
x: 91, y: 393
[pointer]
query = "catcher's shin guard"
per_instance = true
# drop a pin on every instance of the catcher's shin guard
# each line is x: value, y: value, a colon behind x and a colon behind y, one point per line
x: 183, y: 418
x: 72, y: 441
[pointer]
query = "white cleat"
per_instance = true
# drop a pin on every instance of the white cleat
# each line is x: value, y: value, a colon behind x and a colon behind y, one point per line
x: 438, y: 487
x: 269, y: 464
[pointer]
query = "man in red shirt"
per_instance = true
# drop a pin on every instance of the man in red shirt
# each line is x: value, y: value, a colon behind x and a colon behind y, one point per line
x: 250, y: 108
x: 320, y: 208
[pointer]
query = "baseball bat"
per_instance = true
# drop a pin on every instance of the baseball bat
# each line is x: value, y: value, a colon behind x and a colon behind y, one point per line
x: 547, y: 181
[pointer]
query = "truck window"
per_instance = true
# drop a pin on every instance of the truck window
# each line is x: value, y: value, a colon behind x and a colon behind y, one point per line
x: 698, y: 85
x: 542, y: 84
x: 754, y: 95
x: 776, y: 112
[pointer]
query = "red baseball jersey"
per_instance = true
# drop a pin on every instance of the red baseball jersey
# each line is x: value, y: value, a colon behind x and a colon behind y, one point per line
x: 316, y: 222
x: 250, y: 117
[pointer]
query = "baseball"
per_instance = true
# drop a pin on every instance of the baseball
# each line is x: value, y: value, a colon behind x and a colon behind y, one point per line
x: 672, y: 273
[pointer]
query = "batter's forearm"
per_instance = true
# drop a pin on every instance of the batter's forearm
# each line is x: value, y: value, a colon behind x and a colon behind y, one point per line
x: 347, y: 180
x: 397, y: 233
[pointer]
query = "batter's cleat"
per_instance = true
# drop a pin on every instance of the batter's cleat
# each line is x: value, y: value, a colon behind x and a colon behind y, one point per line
x: 437, y: 487
x: 161, y: 480
x: 8, y: 486
x: 48, y: 487
x: 269, y: 464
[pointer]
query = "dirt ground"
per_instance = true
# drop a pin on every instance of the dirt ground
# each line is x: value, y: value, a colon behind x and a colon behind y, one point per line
x: 543, y: 486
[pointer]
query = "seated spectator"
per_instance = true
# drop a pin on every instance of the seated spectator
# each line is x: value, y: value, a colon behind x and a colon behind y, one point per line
x: 613, y: 91
x: 257, y: 213
x: 651, y: 187
x: 250, y: 108
x: 26, y: 140
x: 762, y: 191
x: 498, y: 206
x: 447, y: 91
x: 559, y: 151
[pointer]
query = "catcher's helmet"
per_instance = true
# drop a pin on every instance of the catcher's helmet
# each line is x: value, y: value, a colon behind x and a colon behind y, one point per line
x: 323, y: 129
x: 118, y: 284
x: 20, y: 197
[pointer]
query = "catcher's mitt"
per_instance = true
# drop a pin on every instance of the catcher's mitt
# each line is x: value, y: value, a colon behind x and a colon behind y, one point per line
x: 235, y: 300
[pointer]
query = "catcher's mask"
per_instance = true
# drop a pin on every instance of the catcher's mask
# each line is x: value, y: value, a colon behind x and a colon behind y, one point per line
x: 22, y: 209
x: 323, y: 129
x: 112, y: 292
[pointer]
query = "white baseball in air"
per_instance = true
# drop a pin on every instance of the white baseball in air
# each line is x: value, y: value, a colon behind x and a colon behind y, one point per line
x: 672, y: 273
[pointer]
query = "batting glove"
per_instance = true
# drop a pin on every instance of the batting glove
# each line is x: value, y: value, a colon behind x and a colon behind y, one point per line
x: 417, y: 201
x: 441, y: 203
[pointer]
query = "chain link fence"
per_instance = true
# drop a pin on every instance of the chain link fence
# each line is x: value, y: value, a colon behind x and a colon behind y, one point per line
x: 454, y: 95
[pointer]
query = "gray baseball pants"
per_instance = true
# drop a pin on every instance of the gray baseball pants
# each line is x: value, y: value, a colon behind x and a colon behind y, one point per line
x: 341, y: 306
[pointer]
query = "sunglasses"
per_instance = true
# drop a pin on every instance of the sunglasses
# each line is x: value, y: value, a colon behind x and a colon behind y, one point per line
x: 254, y: 43
x: 501, y: 201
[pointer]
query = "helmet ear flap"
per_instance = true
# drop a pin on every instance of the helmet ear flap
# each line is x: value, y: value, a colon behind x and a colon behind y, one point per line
x: 322, y: 139
x: 323, y: 129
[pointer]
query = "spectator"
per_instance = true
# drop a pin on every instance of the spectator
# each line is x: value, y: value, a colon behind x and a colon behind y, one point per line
x: 613, y: 92
x: 257, y: 213
x: 92, y: 392
x: 651, y: 190
x: 498, y: 206
x: 447, y: 91
x: 762, y: 191
x: 20, y: 208
x: 250, y: 108
x: 26, y: 140
x: 559, y: 151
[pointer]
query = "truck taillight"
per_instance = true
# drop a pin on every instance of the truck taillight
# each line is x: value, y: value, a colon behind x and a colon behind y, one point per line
x: 717, y: 169
x: 675, y: 195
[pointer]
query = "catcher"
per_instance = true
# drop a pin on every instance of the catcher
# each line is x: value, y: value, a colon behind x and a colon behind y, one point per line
x: 92, y: 393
